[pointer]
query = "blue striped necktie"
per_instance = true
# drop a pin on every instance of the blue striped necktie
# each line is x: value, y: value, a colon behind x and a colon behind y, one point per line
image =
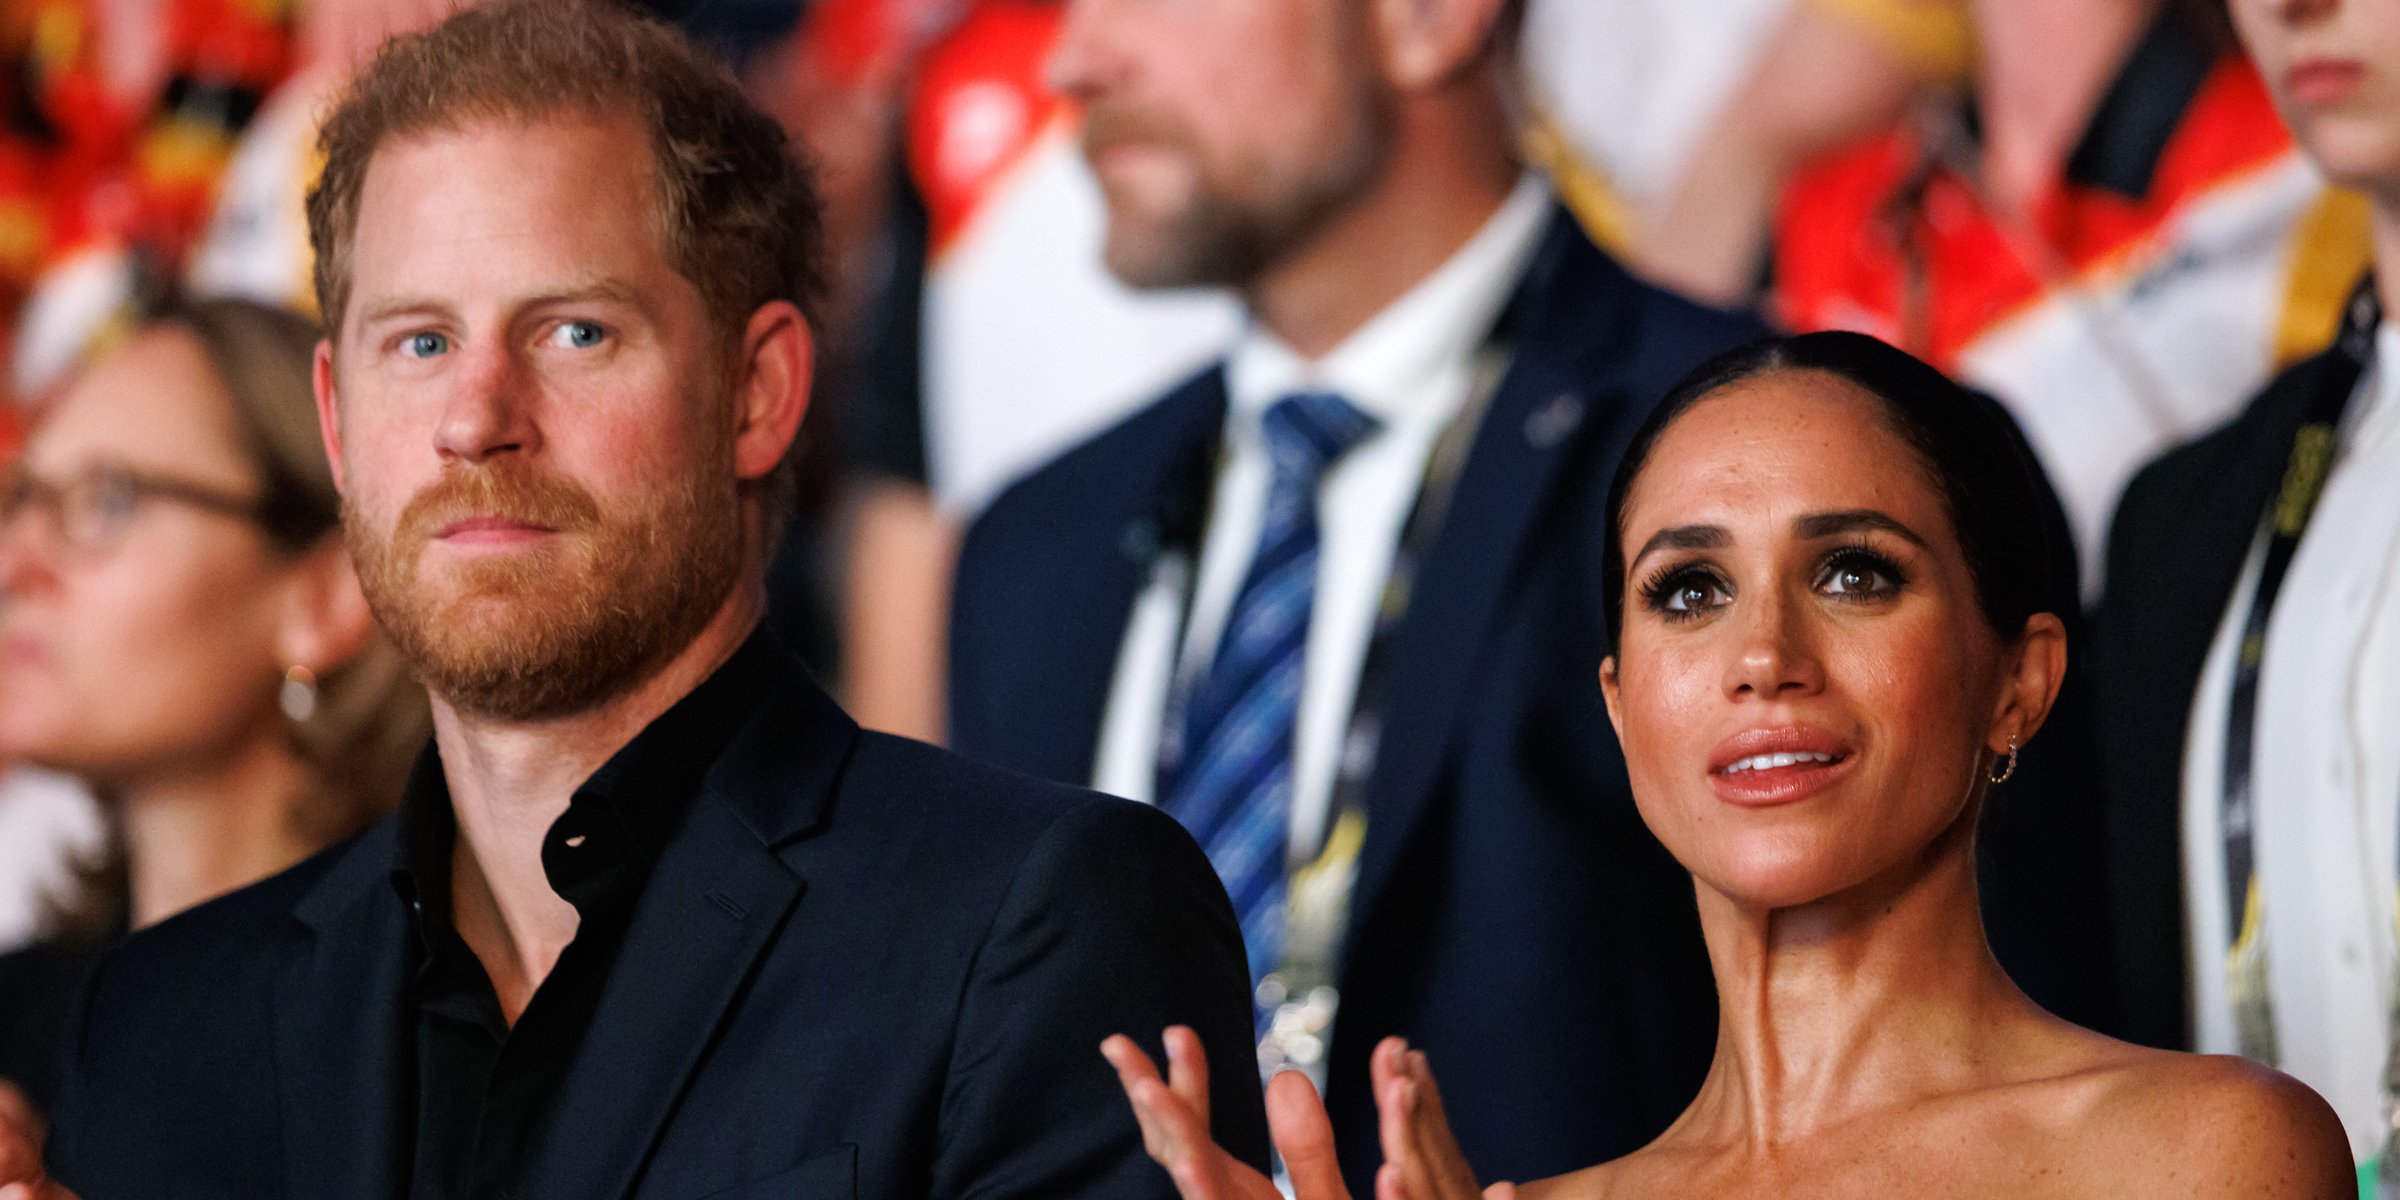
x: 1225, y: 767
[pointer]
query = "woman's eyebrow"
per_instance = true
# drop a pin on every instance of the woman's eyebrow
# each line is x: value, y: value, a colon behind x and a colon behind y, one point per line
x: 1854, y: 520
x: 1685, y: 537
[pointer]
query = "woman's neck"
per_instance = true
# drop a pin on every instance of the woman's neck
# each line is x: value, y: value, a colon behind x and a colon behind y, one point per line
x: 1886, y: 994
x: 196, y: 834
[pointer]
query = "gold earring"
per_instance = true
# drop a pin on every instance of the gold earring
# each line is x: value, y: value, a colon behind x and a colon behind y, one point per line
x: 2011, y: 769
x: 299, y: 693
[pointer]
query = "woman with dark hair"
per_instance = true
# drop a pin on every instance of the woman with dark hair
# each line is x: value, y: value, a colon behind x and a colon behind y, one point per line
x: 1827, y: 576
x: 181, y: 629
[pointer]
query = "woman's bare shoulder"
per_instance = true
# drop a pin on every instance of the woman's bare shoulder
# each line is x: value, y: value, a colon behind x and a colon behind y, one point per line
x: 1590, y: 1183
x: 2104, y: 1118
x: 2195, y: 1126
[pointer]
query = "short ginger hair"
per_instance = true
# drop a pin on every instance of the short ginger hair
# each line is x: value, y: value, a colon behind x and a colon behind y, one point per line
x: 737, y: 213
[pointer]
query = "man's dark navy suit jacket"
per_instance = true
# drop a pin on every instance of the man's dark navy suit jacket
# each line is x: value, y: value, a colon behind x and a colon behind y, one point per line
x: 1512, y: 916
x: 861, y: 967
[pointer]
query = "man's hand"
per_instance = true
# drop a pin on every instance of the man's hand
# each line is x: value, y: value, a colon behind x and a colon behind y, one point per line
x: 1174, y: 1118
x: 21, y: 1173
x: 1421, y: 1160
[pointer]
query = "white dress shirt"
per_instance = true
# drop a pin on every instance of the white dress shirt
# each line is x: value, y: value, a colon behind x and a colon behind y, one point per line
x: 1415, y: 366
x: 2326, y: 778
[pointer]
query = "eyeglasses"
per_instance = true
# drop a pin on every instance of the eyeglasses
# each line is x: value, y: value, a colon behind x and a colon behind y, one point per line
x: 92, y: 511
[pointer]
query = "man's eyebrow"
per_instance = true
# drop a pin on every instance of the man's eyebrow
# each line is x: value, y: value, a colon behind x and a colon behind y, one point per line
x: 1684, y: 537
x: 1852, y: 520
x: 604, y: 290
x: 387, y: 307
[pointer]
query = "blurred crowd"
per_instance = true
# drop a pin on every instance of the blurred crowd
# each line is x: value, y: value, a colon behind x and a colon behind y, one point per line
x: 2091, y: 210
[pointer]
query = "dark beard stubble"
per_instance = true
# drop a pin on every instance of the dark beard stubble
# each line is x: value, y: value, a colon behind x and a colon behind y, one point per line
x: 1234, y: 228
x: 560, y: 630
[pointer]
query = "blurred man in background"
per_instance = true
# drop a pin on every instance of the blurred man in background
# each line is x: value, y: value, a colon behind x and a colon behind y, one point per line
x: 1332, y: 603
x: 999, y: 340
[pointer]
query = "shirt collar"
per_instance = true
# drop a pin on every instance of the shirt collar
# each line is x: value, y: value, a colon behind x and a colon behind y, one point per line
x: 620, y: 818
x: 1435, y: 325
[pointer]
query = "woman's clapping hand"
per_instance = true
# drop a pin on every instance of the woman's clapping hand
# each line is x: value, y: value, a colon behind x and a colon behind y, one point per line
x: 1421, y: 1159
x: 1174, y: 1116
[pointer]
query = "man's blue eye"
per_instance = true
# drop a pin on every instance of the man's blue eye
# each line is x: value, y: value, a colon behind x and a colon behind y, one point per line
x: 424, y: 345
x: 581, y: 335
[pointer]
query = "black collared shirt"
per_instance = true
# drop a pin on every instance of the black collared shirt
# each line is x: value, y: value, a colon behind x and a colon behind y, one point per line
x: 485, y: 1090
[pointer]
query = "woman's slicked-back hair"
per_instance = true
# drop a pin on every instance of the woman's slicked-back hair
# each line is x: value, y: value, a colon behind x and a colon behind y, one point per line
x: 1966, y: 443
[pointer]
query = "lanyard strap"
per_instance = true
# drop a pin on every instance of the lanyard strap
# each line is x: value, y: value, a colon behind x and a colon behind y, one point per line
x: 2295, y: 502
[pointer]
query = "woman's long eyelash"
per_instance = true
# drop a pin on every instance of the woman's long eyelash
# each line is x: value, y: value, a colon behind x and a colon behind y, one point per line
x: 1860, y: 554
x: 1653, y: 589
x: 1666, y: 581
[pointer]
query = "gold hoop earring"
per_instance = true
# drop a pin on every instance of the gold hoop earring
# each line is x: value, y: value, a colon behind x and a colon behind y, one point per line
x: 2011, y: 769
x: 299, y: 694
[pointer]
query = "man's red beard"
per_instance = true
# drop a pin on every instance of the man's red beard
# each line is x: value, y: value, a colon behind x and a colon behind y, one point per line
x: 561, y: 629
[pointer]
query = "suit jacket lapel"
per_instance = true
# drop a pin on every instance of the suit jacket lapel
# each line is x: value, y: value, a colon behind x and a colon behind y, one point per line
x: 1564, y: 317
x: 342, y: 1051
x: 2234, y: 499
x: 711, y: 909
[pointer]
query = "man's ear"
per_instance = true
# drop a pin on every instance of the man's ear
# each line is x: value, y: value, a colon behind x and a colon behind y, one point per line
x: 323, y: 618
x: 771, y: 387
x: 329, y: 406
x: 1427, y: 43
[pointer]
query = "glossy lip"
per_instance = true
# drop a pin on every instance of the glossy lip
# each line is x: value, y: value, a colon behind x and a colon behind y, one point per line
x: 498, y: 532
x: 2315, y: 81
x: 1764, y: 787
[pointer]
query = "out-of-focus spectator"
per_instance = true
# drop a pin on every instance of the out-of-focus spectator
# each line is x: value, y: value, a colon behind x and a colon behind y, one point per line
x: 1031, y: 345
x: 1621, y: 95
x: 256, y: 241
x: 1002, y: 341
x: 120, y: 116
x: 183, y: 632
x: 2111, y: 232
x: 2251, y: 655
x: 1333, y: 603
x: 844, y: 101
x: 1829, y: 72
